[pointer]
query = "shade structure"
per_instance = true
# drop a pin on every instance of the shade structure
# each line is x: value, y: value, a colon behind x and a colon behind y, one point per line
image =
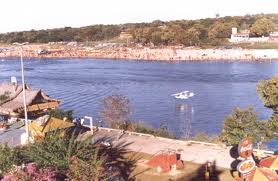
x: 39, y: 129
x: 270, y: 163
x: 261, y: 174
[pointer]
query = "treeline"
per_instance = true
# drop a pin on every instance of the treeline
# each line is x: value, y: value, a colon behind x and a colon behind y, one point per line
x: 209, y: 31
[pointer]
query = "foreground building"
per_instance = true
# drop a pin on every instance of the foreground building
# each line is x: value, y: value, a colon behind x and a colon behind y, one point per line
x: 11, y: 101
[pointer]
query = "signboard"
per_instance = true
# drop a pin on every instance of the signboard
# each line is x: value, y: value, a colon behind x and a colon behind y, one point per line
x: 245, y: 148
x: 246, y: 166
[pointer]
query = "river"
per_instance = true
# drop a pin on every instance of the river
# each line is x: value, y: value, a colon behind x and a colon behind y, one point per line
x: 219, y: 87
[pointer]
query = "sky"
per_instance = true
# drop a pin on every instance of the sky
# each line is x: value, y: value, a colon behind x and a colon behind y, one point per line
x: 19, y: 15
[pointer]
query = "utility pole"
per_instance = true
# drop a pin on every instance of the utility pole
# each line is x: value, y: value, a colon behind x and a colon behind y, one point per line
x: 24, y: 97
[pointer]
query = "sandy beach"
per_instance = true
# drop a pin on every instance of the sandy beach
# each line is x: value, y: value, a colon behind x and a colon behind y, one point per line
x: 138, y: 53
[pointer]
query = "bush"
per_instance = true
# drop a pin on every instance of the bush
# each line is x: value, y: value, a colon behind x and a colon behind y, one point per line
x: 63, y: 156
x: 162, y: 131
x: 32, y: 172
x: 206, y: 138
x: 86, y: 170
x: 57, y: 149
x: 9, y: 157
x: 61, y: 114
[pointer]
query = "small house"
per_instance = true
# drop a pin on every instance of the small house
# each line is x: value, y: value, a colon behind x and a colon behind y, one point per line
x: 12, y: 104
x: 239, y: 37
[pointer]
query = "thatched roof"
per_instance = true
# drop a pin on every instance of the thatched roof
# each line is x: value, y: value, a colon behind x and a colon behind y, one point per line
x: 13, y: 99
x: 42, y: 125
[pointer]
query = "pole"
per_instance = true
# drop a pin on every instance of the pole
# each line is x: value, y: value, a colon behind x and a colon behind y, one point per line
x: 24, y: 98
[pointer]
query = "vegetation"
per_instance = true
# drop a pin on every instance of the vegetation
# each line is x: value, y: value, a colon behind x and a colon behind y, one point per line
x: 262, y: 27
x: 8, y: 158
x: 66, y: 156
x: 86, y: 170
x: 116, y: 111
x: 57, y: 150
x: 257, y: 45
x: 245, y: 123
x: 241, y: 124
x: 202, y: 32
x: 162, y: 131
x: 4, y: 97
x: 32, y: 172
x: 206, y: 138
x: 61, y: 114
x: 268, y: 93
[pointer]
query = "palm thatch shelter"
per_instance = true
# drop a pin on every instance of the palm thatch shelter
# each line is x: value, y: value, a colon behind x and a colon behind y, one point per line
x: 41, y: 126
x: 11, y: 100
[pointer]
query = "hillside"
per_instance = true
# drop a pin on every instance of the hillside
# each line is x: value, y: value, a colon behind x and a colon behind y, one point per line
x: 202, y: 32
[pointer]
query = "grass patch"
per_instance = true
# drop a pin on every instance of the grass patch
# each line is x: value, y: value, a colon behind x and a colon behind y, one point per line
x: 258, y: 45
x: 162, y: 131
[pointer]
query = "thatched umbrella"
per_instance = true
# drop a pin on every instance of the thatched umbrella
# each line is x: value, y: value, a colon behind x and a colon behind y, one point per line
x: 270, y: 163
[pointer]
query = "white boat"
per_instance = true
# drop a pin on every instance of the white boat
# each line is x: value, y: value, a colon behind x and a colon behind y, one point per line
x: 183, y: 95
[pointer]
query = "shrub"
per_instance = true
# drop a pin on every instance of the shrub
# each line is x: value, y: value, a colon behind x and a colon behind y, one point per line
x: 9, y: 157
x: 57, y: 149
x: 61, y: 114
x: 4, y: 97
x: 206, y: 138
x: 162, y: 131
x: 86, y: 170
x: 33, y: 173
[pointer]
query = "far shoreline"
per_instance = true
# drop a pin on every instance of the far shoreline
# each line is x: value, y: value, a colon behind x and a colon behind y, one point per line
x: 151, y: 54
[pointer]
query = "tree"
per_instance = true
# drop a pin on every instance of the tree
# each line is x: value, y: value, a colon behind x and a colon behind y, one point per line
x: 262, y: 27
x: 241, y: 124
x: 268, y: 93
x: 116, y: 111
x: 192, y: 37
x: 221, y: 30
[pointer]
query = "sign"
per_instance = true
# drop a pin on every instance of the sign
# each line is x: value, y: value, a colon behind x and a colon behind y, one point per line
x: 245, y: 148
x: 246, y: 166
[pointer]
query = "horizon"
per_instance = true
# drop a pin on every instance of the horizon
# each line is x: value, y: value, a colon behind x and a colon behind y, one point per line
x: 32, y: 15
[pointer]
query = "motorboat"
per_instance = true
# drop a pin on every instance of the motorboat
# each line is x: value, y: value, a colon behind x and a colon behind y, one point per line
x: 183, y: 95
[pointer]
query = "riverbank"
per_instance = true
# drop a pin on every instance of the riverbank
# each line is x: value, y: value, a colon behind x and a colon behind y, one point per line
x: 137, y: 53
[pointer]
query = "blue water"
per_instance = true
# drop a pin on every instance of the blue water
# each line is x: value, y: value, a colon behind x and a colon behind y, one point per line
x: 82, y: 84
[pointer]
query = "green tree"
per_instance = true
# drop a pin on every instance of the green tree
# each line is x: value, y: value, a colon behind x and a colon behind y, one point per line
x: 241, y: 124
x: 192, y: 37
x: 262, y: 27
x: 268, y: 93
x: 221, y: 30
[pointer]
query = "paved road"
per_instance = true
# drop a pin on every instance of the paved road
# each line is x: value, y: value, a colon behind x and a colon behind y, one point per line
x: 12, y: 135
x: 196, y: 153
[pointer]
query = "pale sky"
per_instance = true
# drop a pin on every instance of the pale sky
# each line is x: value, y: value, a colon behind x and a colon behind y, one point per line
x: 18, y: 15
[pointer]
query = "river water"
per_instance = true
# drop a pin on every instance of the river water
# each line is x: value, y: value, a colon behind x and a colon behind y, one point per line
x: 219, y: 87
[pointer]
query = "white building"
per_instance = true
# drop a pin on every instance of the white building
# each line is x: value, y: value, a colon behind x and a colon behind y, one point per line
x: 244, y: 36
x: 239, y: 37
x: 273, y: 36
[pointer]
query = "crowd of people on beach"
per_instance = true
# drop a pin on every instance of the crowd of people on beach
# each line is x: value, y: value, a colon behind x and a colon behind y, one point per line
x: 140, y: 53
